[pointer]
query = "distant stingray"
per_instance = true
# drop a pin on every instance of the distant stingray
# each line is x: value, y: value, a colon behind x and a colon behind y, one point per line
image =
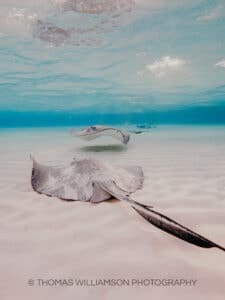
x: 92, y: 20
x: 99, y: 6
x: 48, y: 32
x: 88, y: 179
x: 93, y: 132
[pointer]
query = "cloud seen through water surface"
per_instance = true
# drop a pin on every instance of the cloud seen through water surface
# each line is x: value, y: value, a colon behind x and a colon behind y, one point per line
x: 165, y: 65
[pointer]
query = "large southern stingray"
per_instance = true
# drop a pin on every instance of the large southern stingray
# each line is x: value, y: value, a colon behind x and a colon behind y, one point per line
x: 93, y: 132
x: 88, y: 179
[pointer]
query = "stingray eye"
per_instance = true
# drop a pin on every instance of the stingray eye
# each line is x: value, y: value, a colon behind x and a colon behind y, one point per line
x: 93, y: 127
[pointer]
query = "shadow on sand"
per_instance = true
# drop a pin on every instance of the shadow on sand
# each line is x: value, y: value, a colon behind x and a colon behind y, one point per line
x: 104, y: 148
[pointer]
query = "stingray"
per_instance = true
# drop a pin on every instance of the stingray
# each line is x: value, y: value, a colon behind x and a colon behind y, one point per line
x: 98, y: 7
x: 91, y: 180
x: 48, y: 32
x: 93, y: 132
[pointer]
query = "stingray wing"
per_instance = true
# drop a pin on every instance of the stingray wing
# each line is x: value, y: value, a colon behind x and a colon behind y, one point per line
x: 120, y: 182
x: 61, y: 182
x: 116, y: 134
x: 138, y: 176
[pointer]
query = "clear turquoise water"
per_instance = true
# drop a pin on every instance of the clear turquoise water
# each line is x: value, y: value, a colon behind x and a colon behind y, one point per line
x: 69, y: 62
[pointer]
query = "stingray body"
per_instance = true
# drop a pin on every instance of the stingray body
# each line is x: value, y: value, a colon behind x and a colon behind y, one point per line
x: 98, y: 7
x: 88, y: 179
x: 93, y: 132
x: 48, y: 32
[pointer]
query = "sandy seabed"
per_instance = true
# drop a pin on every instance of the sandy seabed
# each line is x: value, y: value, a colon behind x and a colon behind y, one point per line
x: 47, y: 245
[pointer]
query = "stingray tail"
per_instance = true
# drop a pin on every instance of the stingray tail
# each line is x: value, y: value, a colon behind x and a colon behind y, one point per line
x: 32, y: 158
x: 172, y: 227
